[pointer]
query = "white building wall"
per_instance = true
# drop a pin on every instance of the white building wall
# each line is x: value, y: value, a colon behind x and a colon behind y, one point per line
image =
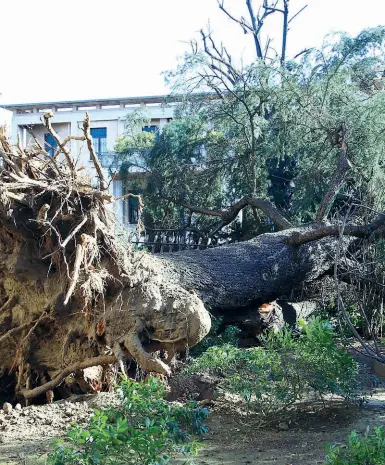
x: 69, y: 122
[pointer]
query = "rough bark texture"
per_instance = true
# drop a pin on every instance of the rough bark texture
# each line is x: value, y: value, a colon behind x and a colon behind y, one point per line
x: 259, y: 270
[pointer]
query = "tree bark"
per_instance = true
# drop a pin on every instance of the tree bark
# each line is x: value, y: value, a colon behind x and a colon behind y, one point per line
x: 257, y: 271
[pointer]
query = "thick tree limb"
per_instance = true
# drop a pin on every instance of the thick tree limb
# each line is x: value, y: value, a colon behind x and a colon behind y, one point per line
x: 256, y: 28
x: 90, y: 362
x: 227, y: 216
x: 315, y: 232
x: 285, y: 30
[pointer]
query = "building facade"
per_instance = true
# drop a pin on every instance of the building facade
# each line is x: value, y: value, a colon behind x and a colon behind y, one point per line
x: 108, y: 117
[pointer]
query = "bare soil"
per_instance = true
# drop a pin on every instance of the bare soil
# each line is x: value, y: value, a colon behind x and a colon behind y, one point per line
x: 233, y: 439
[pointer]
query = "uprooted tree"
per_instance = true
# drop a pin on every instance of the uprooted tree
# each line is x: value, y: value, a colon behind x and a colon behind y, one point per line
x: 305, y: 133
x: 74, y: 295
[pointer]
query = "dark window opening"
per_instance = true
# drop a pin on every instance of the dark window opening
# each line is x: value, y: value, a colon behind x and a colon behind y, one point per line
x: 151, y: 128
x: 133, y: 210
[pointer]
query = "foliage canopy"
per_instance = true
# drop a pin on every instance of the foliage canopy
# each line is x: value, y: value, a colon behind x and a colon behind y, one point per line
x: 269, y: 130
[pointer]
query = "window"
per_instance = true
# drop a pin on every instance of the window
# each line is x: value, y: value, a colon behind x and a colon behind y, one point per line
x: 50, y: 144
x: 99, y: 140
x: 133, y: 210
x: 152, y: 128
x: 132, y: 207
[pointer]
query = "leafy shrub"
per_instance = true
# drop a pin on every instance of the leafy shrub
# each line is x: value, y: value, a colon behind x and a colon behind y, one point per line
x: 145, y: 430
x: 360, y: 450
x: 271, y: 378
x: 216, y: 338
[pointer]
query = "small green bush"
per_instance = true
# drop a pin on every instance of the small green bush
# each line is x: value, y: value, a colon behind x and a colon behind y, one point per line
x: 146, y: 430
x: 216, y: 338
x: 285, y: 370
x: 360, y: 450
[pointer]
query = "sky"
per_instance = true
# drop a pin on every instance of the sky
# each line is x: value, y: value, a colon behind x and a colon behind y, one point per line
x: 56, y: 50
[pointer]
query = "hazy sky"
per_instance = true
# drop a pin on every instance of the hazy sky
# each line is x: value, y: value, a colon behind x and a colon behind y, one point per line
x: 77, y: 49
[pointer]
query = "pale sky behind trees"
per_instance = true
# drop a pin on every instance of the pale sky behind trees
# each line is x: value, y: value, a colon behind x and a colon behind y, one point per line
x: 78, y: 49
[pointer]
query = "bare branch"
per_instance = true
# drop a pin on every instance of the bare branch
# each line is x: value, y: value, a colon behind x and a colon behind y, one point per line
x: 298, y: 13
x: 219, y: 59
x: 246, y: 27
x: 47, y: 123
x: 95, y: 159
x: 306, y: 50
x: 65, y: 142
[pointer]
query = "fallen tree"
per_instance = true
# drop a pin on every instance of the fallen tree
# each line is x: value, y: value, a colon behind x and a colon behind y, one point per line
x: 73, y: 295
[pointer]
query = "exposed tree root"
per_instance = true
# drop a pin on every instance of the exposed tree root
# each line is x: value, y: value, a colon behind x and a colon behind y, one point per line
x: 74, y: 367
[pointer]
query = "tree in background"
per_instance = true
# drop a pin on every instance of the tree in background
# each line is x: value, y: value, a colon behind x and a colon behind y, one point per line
x: 305, y: 133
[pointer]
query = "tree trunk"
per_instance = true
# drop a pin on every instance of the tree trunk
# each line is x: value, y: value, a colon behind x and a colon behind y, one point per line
x: 163, y: 305
x: 260, y: 270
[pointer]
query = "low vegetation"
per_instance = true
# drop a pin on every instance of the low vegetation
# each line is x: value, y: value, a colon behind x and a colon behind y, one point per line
x: 367, y: 449
x: 145, y: 429
x: 286, y: 370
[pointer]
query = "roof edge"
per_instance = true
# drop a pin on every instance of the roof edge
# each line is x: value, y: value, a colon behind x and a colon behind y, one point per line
x: 104, y: 101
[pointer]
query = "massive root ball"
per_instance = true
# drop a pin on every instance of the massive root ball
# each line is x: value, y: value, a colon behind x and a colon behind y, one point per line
x: 73, y: 295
